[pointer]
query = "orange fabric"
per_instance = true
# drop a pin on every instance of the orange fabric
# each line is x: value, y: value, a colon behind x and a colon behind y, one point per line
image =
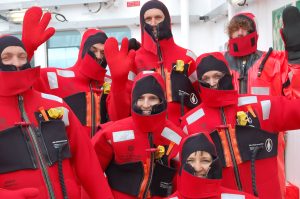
x: 89, y: 109
x: 170, y: 148
x: 168, y: 86
x: 249, y: 107
x: 225, y: 148
x: 235, y: 145
x: 42, y: 110
x: 145, y: 180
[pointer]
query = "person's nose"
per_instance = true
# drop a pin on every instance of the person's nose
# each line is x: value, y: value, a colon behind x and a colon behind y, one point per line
x: 153, y: 22
x: 198, y: 167
x: 16, y: 62
x: 240, y: 32
x: 212, y: 82
x: 98, y: 54
x: 146, y: 104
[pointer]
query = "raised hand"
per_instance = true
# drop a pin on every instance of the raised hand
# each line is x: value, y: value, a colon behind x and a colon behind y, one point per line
x: 119, y: 61
x: 35, y: 31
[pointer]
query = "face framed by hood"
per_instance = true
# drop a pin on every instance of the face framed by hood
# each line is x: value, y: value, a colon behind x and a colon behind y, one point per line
x: 163, y: 29
x: 214, y: 62
x: 13, y: 55
x: 149, y: 82
x: 195, y: 143
x: 243, y: 45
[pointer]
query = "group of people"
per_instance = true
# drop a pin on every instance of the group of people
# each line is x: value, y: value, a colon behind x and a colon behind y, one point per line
x: 165, y: 124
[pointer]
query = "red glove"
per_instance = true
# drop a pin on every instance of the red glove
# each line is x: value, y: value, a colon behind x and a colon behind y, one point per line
x: 119, y: 61
x: 34, y: 29
x: 19, y: 194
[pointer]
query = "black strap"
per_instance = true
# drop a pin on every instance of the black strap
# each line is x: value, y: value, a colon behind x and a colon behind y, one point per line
x: 59, y: 146
x: 263, y: 62
x: 253, y: 174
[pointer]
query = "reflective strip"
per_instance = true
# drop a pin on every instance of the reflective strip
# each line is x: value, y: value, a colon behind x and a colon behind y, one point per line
x: 193, y: 77
x: 171, y: 135
x: 107, y: 79
x: 260, y: 90
x: 52, y: 79
x: 231, y: 196
x: 65, y: 117
x: 266, y: 107
x: 51, y: 97
x: 174, y: 197
x: 247, y: 100
x: 195, y: 116
x: 290, y: 75
x: 191, y: 55
x: 147, y: 72
x: 185, y: 130
x: 120, y: 136
x: 65, y: 73
x: 131, y: 75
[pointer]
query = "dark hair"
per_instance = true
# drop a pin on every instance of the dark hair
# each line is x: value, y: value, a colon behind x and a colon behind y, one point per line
x: 240, y: 21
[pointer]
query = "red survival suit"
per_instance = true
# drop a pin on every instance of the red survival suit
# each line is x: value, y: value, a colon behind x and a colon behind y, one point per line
x: 30, y: 144
x: 262, y: 73
x: 81, y: 86
x: 174, y: 63
x: 264, y: 116
x: 127, y: 148
x: 193, y: 187
x: 256, y: 72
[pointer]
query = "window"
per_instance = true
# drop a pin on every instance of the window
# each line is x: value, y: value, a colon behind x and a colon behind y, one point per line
x: 63, y: 48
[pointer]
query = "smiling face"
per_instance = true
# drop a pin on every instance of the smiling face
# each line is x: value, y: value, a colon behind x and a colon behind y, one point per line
x: 200, y: 161
x: 14, y: 55
x: 146, y: 101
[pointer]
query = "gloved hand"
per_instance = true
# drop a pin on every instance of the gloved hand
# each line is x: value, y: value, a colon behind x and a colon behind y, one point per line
x: 291, y: 31
x: 119, y: 61
x: 225, y: 83
x: 134, y: 44
x: 35, y: 31
x: 19, y: 194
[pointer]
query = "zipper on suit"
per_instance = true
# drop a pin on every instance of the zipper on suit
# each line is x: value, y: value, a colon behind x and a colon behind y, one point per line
x: 150, y: 139
x: 93, y: 110
x: 235, y: 167
x: 162, y: 68
x: 37, y: 149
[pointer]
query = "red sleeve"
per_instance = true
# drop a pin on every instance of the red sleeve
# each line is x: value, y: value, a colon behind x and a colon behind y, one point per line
x: 103, y: 149
x: 294, y: 76
x: 85, y: 161
x: 118, y: 101
x: 281, y: 114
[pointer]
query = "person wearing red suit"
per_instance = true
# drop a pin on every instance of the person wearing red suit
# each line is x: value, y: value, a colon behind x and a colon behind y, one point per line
x: 43, y: 152
x: 138, y: 153
x: 256, y: 72
x: 200, y: 173
x: 82, y: 85
x: 159, y: 52
x: 244, y: 129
